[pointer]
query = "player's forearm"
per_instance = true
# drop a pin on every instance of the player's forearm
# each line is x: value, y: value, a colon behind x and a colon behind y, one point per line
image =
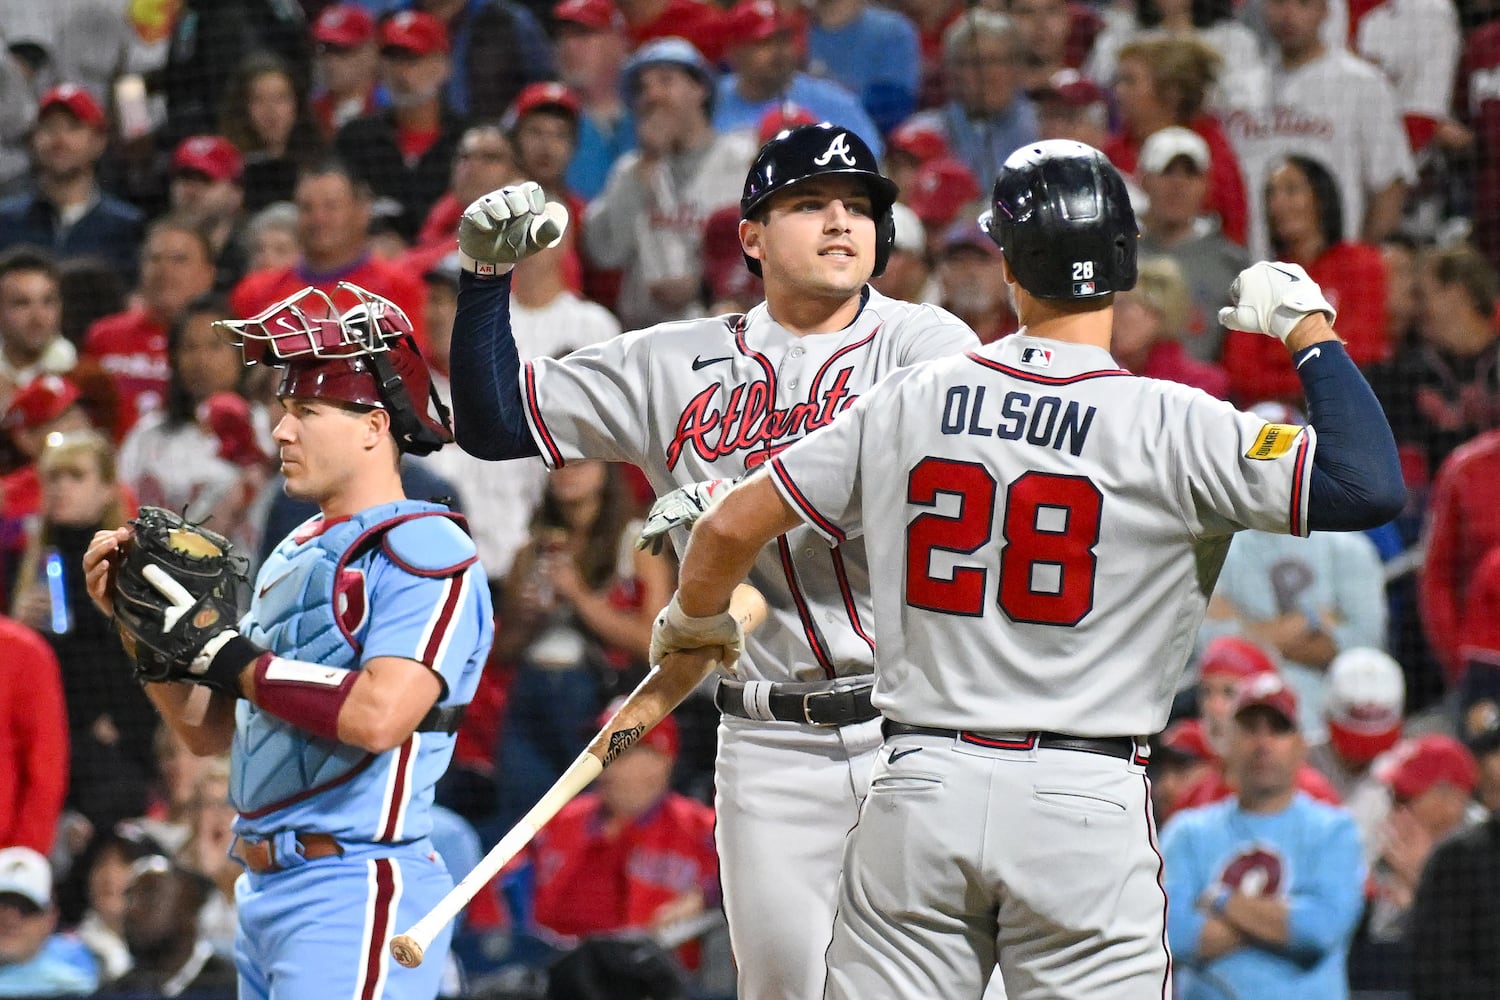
x: 725, y: 542
x: 201, y: 717
x: 489, y: 421
x: 1261, y: 918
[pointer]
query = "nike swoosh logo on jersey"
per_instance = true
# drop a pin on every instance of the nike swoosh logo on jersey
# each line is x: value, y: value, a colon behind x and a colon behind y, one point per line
x: 1309, y: 356
x: 1278, y: 270
x: 705, y: 362
x: 268, y: 587
x: 898, y: 754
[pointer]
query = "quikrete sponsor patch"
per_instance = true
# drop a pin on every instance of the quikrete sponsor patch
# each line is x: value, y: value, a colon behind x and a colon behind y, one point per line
x: 1273, y: 441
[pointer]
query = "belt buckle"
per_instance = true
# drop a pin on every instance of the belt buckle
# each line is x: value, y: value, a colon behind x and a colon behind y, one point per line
x: 807, y: 708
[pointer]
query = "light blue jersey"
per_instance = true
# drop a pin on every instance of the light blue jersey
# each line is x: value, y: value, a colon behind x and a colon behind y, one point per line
x: 1308, y: 854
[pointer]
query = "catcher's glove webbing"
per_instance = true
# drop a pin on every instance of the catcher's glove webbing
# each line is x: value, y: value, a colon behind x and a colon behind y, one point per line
x: 177, y: 586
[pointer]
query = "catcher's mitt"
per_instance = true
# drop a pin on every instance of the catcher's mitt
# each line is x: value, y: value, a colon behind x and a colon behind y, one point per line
x: 176, y: 586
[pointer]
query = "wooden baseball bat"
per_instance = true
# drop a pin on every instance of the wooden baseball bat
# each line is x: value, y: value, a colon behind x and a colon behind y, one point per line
x: 657, y: 695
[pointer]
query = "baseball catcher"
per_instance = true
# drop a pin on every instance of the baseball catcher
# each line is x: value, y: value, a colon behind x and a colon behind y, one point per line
x: 176, y: 587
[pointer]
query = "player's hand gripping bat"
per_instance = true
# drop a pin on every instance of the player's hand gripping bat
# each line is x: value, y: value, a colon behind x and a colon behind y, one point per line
x: 658, y: 694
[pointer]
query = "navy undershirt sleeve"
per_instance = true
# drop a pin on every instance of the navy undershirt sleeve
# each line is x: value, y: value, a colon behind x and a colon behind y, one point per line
x: 1356, y: 476
x: 488, y: 418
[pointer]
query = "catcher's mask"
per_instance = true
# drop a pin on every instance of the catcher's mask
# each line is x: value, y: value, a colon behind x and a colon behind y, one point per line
x: 365, y: 354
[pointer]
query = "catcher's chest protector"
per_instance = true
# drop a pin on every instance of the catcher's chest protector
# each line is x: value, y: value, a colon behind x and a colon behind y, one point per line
x: 308, y: 604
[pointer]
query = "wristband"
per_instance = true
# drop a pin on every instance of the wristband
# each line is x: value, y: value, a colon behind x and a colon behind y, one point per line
x: 482, y: 268
x: 308, y: 695
x: 222, y: 659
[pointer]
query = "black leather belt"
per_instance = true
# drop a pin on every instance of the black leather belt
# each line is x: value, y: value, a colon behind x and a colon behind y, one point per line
x: 1123, y: 747
x: 784, y: 703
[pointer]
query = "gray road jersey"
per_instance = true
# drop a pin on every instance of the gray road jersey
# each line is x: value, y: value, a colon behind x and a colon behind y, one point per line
x: 712, y: 398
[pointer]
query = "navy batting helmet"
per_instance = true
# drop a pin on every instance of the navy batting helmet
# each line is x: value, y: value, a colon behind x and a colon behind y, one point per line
x: 817, y: 151
x: 1062, y: 217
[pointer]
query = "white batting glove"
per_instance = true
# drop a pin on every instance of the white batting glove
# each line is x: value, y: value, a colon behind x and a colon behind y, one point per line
x: 1271, y: 298
x: 674, y: 632
x: 504, y: 226
x: 680, y: 509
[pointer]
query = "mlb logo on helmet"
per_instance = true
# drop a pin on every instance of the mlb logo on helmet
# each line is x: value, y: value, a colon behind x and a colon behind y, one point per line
x: 1083, y: 288
x: 1038, y: 357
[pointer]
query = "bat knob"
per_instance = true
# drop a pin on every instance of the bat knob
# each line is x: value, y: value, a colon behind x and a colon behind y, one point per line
x: 406, y: 951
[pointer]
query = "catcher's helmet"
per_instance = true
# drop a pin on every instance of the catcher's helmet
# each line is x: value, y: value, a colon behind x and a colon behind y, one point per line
x: 366, y: 355
x: 806, y: 151
x: 1062, y: 217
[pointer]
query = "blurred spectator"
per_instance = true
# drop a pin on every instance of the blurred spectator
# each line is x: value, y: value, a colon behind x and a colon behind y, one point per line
x: 333, y: 218
x: 649, y: 220
x: 497, y: 47
x: 271, y: 237
x: 1445, y: 388
x: 1304, y: 599
x: 210, y: 825
x: 1402, y: 306
x: 1454, y: 921
x: 764, y: 51
x: 207, y: 178
x: 484, y: 161
x: 1331, y: 106
x: 640, y: 855
x: 1304, y: 212
x: 1166, y: 81
x: 33, y: 739
x: 267, y: 116
x: 908, y: 270
x: 1267, y: 888
x: 1055, y: 34
x: 176, y: 268
x: 90, y: 290
x: 171, y: 957
x: 49, y: 404
x: 1071, y: 106
x: 204, y: 451
x: 987, y: 116
x: 698, y: 21
x: 67, y: 213
x: 543, y: 126
x: 104, y: 868
x: 971, y: 273
x: 347, y: 67
x: 871, y: 51
x: 1246, y: 78
x: 1366, y: 697
x: 731, y: 286
x: 406, y: 152
x: 35, y: 959
x: 1151, y: 324
x: 944, y: 193
x: 1416, y: 44
x: 1174, y: 173
x: 577, y: 609
x: 168, y: 819
x: 110, y: 721
x: 1180, y: 758
x: 591, y: 51
x: 1476, y: 102
x: 912, y: 143
x: 932, y: 19
x: 17, y: 114
x: 31, y: 340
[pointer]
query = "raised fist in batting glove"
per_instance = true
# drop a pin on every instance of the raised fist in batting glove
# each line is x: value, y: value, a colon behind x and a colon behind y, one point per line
x: 1271, y: 298
x: 504, y: 226
x: 680, y: 509
x: 675, y: 631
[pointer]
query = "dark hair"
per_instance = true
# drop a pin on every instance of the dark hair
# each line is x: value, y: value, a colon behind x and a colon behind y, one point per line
x: 601, y: 555
x: 1182, y: 71
x: 1325, y: 191
x: 178, y: 408
x: 332, y: 166
x: 27, y: 259
x: 178, y: 223
x: 1205, y: 13
x: 1463, y: 265
x: 306, y: 139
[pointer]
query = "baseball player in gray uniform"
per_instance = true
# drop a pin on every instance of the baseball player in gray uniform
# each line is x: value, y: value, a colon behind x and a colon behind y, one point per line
x: 714, y: 398
x: 1048, y: 528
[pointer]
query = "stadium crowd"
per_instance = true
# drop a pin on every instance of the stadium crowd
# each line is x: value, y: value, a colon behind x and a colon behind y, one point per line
x: 167, y: 164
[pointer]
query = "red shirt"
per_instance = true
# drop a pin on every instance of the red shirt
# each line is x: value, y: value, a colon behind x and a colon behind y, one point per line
x: 701, y: 23
x: 1169, y: 360
x: 1226, y: 185
x: 1352, y: 276
x: 33, y: 739
x: 1463, y: 526
x: 1213, y: 788
x: 1476, y: 102
x: 588, y: 883
x: 131, y: 346
x: 259, y: 289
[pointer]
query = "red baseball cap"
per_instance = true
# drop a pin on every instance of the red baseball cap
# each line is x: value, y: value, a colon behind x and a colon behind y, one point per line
x: 661, y: 737
x: 920, y: 140
x: 1070, y: 87
x: 1418, y: 765
x: 783, y: 116
x: 751, y: 21
x: 42, y: 401
x: 415, y: 32
x: 1186, y: 738
x: 76, y: 101
x: 596, y: 15
x: 535, y: 96
x: 939, y: 190
x: 1239, y: 658
x: 213, y: 156
x: 1267, y: 691
x: 344, y: 25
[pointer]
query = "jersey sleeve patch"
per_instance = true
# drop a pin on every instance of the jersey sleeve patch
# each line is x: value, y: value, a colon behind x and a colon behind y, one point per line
x: 430, y: 546
x: 1273, y: 441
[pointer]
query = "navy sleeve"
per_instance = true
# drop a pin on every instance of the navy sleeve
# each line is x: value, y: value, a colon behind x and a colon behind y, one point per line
x: 1356, y: 477
x: 485, y: 370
